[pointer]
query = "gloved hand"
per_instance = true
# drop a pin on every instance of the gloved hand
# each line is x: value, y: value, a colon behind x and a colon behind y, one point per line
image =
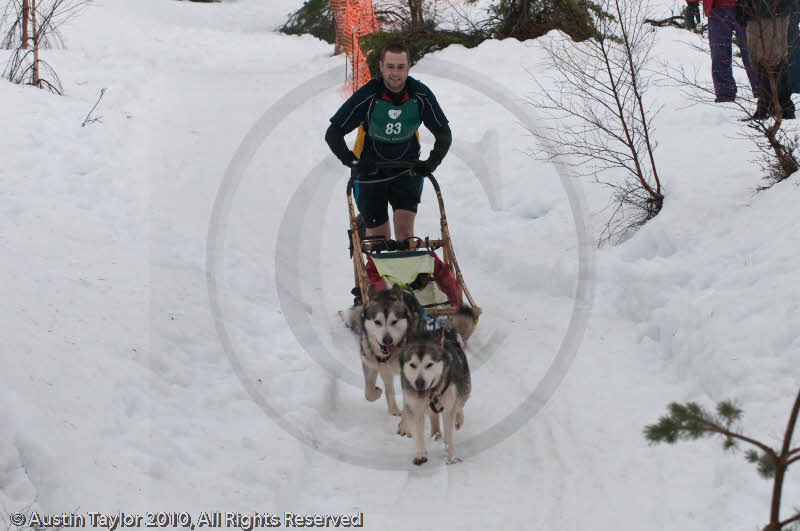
x: 692, y: 15
x: 364, y: 167
x: 423, y: 168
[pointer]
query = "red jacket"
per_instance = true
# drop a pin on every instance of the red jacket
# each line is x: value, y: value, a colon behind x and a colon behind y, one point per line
x: 708, y: 4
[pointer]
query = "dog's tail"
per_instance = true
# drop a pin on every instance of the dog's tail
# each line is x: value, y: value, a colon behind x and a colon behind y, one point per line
x: 352, y: 318
x: 463, y: 322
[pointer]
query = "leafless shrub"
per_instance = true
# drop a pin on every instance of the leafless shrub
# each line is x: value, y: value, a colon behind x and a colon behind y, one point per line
x: 30, y: 26
x: 599, y: 115
x: 396, y: 14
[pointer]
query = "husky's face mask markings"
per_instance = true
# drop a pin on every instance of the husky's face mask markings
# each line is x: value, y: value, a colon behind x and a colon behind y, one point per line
x: 423, y: 373
x: 387, y: 328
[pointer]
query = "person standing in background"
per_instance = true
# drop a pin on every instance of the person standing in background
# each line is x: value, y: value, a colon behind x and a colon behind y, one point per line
x: 722, y: 25
x: 767, y: 23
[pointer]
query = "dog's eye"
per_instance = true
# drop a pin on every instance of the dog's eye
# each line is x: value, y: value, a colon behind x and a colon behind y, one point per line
x: 412, y: 365
x: 395, y: 322
x: 429, y: 365
x: 378, y: 322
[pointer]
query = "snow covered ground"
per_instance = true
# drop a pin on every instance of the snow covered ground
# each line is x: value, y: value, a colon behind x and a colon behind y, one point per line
x: 171, y: 276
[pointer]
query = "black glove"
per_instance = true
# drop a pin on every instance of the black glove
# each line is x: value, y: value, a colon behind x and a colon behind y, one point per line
x: 692, y: 15
x: 423, y: 168
x: 348, y: 158
x: 364, y: 167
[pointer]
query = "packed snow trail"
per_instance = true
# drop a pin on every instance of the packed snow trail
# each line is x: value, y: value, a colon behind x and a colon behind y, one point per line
x: 119, y: 396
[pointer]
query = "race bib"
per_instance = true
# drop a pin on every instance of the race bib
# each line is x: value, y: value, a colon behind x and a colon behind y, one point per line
x: 394, y: 123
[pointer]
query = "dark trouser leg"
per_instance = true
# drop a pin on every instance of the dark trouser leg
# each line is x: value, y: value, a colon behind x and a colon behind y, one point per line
x: 720, y: 37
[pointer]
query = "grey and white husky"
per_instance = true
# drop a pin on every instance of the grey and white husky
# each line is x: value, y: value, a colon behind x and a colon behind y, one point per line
x: 387, y: 320
x: 435, y: 378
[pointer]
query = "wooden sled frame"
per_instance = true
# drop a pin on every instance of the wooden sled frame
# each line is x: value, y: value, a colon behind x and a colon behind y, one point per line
x: 445, y: 243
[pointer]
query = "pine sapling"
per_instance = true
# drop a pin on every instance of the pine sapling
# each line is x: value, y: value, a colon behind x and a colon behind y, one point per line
x: 690, y: 422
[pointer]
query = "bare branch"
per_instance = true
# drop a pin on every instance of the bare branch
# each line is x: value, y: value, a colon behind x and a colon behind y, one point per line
x: 784, y: 523
x: 89, y: 120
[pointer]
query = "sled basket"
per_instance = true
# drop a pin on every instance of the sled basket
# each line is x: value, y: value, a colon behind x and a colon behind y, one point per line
x: 420, y: 272
x: 436, y: 282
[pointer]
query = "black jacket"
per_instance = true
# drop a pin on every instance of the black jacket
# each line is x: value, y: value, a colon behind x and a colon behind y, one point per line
x: 357, y: 111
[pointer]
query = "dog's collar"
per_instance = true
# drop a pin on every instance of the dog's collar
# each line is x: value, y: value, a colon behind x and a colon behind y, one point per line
x: 436, y: 395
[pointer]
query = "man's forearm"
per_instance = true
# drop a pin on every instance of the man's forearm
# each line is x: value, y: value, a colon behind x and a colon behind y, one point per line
x: 444, y: 138
x: 334, y: 136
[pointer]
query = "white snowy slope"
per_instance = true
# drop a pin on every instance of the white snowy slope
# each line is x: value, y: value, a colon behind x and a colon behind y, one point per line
x: 171, y: 275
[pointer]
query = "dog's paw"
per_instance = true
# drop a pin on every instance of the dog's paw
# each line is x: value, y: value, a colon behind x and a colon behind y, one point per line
x: 419, y: 460
x: 402, y: 430
x: 373, y: 395
x: 451, y: 460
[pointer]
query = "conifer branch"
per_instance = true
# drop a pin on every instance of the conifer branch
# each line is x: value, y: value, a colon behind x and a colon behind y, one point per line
x: 715, y: 428
x: 692, y: 422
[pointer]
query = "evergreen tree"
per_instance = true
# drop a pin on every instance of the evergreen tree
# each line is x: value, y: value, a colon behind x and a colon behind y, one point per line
x: 528, y: 19
x: 315, y: 18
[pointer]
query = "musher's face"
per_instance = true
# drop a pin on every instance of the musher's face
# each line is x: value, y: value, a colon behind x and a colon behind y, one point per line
x: 394, y: 68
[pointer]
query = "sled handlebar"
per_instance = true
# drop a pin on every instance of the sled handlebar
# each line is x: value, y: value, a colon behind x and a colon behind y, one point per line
x: 395, y: 164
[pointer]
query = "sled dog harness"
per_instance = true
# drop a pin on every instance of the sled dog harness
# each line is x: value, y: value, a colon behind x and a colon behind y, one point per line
x: 436, y: 395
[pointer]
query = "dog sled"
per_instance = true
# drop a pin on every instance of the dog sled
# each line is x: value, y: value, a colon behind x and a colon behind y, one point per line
x: 414, y: 264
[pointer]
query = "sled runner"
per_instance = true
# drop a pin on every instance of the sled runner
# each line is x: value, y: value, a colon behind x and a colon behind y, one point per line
x: 437, y: 283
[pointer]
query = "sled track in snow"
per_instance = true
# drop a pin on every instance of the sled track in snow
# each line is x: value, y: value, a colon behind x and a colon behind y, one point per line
x: 288, y: 282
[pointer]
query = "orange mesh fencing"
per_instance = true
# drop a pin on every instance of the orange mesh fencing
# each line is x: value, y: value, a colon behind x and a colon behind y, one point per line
x: 354, y: 18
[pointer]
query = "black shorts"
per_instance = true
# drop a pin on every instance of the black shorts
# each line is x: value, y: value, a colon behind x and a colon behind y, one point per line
x: 373, y: 199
